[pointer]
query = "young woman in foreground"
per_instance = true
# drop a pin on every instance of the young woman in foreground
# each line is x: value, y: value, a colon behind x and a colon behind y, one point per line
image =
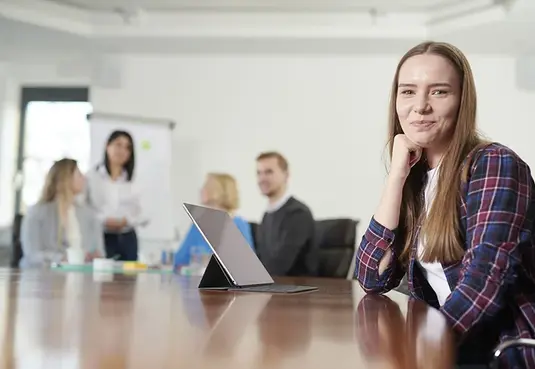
x: 457, y: 213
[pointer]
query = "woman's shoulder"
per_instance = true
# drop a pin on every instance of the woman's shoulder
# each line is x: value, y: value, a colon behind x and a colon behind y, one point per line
x: 94, y: 173
x: 242, y: 224
x: 85, y: 209
x: 495, y: 158
x: 39, y: 210
x: 494, y: 149
x: 240, y: 220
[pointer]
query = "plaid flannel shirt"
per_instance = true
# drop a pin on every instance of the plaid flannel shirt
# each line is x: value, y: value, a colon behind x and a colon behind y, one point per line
x: 494, y: 283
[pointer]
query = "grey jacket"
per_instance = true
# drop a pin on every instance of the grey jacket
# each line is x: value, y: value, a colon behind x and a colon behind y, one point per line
x: 39, y: 234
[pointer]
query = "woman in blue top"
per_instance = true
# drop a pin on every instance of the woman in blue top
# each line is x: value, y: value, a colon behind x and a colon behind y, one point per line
x: 219, y: 191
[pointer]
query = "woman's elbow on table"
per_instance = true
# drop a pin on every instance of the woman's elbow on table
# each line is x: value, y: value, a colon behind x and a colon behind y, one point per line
x: 367, y: 271
x: 377, y: 269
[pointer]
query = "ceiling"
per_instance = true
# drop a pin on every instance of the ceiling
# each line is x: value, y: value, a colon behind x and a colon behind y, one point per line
x: 23, y: 41
x: 382, y: 6
x: 325, y: 33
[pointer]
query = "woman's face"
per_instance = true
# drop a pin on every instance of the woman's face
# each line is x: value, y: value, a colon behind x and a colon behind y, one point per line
x: 119, y: 151
x: 78, y: 182
x: 428, y: 99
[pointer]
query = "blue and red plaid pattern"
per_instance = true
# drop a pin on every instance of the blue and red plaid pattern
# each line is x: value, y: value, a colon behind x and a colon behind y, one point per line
x: 494, y: 283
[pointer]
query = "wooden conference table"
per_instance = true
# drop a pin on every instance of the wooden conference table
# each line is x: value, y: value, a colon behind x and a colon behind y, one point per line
x: 53, y: 319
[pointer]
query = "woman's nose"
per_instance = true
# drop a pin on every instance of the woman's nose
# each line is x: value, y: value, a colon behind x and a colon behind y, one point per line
x: 421, y: 105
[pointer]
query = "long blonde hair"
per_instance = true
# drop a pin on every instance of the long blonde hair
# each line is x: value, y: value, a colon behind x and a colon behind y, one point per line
x: 58, y: 187
x: 222, y: 191
x: 441, y: 228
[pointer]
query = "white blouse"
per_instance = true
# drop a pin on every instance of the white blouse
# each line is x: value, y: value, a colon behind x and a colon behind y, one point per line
x: 115, y: 199
x: 434, y: 272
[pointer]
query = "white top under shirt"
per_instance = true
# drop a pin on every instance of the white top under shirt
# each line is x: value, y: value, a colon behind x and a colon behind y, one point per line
x: 73, y: 235
x: 279, y: 204
x: 433, y: 272
x: 115, y: 199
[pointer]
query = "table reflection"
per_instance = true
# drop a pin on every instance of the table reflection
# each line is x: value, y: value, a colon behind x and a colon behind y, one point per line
x: 228, y: 329
x: 388, y: 339
x: 284, y: 330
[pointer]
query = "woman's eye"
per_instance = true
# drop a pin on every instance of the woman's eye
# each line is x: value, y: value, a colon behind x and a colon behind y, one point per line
x: 440, y: 92
x: 407, y: 92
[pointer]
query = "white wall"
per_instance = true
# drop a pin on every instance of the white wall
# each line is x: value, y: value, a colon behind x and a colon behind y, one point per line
x: 8, y: 135
x: 327, y: 114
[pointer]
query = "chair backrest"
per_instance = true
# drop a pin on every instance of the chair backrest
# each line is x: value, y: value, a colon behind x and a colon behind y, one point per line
x: 16, y: 245
x: 254, y: 232
x: 336, y: 246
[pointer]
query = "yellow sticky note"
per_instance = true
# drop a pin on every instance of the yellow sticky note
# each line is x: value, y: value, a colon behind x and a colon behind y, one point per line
x: 133, y: 265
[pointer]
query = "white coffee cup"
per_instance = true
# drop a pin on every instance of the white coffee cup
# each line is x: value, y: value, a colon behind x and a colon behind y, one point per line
x: 103, y: 265
x: 145, y: 258
x: 75, y: 256
x: 102, y: 276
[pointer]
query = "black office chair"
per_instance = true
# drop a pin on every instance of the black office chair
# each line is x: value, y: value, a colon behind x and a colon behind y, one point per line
x: 335, y: 239
x: 499, y: 350
x: 16, y: 245
x: 254, y: 232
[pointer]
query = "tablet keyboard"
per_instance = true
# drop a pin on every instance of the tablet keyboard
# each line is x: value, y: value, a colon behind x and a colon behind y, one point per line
x: 274, y: 288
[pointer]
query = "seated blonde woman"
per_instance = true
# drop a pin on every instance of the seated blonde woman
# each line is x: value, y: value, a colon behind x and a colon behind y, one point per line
x: 57, y: 222
x: 220, y: 191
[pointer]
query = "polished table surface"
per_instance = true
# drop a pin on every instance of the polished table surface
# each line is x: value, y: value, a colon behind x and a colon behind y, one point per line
x: 55, y: 319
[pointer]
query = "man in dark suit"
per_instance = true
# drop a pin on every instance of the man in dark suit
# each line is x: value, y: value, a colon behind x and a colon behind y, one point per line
x: 285, y: 241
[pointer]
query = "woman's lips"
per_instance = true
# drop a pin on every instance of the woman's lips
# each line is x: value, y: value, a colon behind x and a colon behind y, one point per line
x: 423, y: 124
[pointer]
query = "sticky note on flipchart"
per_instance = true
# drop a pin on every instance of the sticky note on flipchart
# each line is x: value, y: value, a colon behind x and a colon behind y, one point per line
x: 145, y: 145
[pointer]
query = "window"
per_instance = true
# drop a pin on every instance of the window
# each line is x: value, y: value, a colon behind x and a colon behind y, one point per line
x: 53, y: 130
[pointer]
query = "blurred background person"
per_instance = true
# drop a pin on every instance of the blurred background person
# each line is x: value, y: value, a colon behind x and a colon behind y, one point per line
x: 113, y: 194
x: 57, y: 222
x: 286, y: 242
x: 219, y: 191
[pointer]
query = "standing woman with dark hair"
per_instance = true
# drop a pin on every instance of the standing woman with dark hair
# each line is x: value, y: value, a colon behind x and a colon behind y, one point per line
x: 112, y: 192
